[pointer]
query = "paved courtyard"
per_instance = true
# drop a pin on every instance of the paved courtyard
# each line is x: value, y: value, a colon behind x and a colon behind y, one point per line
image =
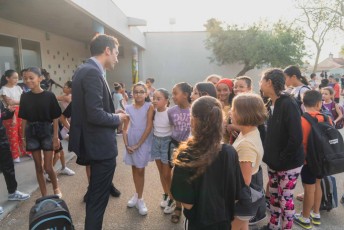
x: 117, y: 215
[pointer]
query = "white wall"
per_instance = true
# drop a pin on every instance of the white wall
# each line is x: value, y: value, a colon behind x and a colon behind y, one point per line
x: 60, y: 55
x: 107, y: 12
x: 122, y: 72
x: 172, y: 57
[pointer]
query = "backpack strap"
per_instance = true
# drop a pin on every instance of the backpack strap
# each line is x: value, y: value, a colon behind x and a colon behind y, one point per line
x: 310, y: 119
x: 299, y: 95
x: 314, y: 120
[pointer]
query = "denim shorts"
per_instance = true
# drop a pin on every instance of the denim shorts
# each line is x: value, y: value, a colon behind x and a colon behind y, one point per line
x: 160, y: 148
x: 39, y: 136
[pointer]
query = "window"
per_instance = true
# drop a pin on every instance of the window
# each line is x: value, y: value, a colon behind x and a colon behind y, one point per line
x: 31, y: 52
x: 9, y: 54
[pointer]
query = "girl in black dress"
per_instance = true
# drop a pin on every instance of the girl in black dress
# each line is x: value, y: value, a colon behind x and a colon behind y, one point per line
x: 207, y: 177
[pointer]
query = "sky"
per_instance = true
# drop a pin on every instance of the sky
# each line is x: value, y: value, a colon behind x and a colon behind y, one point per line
x: 191, y: 15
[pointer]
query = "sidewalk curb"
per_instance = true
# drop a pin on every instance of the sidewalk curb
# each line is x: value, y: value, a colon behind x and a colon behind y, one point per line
x: 9, y: 206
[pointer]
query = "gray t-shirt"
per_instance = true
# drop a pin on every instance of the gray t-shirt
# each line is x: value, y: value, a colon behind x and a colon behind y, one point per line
x: 180, y: 120
x: 118, y: 101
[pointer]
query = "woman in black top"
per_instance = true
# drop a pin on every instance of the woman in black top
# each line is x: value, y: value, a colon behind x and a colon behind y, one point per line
x: 207, y: 177
x: 40, y: 111
x: 283, y: 150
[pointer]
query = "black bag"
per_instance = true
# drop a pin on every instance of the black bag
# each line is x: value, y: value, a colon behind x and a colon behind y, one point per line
x: 325, y: 148
x: 329, y: 198
x: 50, y: 212
x: 251, y: 197
x: 299, y: 99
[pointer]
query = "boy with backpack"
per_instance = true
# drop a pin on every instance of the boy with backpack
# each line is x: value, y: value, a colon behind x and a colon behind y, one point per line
x: 312, y: 101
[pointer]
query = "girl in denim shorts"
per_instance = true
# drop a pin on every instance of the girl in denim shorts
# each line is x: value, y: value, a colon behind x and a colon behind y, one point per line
x: 160, y: 148
x: 40, y: 111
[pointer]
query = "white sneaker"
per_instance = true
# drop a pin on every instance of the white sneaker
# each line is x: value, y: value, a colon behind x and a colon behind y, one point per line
x: 164, y: 201
x: 132, y: 202
x: 18, y: 196
x: 17, y: 160
x: 170, y: 206
x: 67, y: 171
x: 141, y: 206
x: 1, y: 210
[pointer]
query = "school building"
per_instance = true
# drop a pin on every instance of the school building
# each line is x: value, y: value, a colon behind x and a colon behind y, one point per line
x: 54, y: 34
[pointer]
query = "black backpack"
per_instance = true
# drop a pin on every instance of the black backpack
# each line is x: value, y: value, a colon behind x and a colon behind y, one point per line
x: 50, y: 212
x: 325, y: 148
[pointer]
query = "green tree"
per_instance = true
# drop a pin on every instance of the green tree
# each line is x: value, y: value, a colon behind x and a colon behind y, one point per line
x: 318, y: 21
x: 255, y: 46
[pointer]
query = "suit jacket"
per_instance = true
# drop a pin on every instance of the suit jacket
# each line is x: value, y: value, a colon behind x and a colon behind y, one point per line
x: 93, y: 122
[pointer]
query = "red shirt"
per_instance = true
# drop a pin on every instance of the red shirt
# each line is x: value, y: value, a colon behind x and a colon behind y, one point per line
x: 336, y: 88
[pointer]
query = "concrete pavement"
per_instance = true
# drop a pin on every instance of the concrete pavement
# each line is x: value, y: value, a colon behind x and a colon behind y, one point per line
x: 26, y: 179
x: 117, y: 215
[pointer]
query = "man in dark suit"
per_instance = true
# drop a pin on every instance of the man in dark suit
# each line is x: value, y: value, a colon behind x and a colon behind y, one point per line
x: 93, y: 125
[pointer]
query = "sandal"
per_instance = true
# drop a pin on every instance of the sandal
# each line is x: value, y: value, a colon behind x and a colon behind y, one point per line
x: 58, y: 193
x: 300, y: 197
x: 175, y: 217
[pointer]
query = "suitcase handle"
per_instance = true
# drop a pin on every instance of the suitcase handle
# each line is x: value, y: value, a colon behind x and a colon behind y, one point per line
x: 39, y: 200
x: 46, y: 201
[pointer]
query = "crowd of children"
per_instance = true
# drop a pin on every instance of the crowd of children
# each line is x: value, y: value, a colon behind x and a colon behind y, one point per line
x: 208, y: 147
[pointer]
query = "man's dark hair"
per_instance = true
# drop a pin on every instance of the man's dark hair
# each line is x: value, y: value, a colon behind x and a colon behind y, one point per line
x: 311, y: 98
x: 100, y: 42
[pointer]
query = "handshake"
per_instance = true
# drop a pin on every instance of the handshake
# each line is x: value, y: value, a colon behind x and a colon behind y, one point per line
x: 123, y: 116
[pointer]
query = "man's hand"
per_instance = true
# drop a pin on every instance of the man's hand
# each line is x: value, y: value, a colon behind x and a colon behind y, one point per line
x: 120, y: 111
x: 123, y: 117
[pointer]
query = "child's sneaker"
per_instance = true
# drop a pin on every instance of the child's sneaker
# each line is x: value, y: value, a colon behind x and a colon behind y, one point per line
x: 141, y: 206
x: 133, y: 201
x: 171, y: 205
x: 1, y: 210
x: 67, y: 171
x: 17, y: 160
x: 164, y: 201
x: 18, y: 196
x: 342, y: 200
x: 305, y: 223
x: 315, y: 217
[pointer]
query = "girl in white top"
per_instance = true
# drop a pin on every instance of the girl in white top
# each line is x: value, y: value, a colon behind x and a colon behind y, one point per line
x: 294, y: 79
x: 66, y: 98
x: 161, y: 142
x: 11, y: 93
x: 248, y: 111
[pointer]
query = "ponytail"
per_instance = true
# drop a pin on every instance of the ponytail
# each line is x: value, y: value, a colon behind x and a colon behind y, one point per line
x: 304, y: 80
x: 8, y: 73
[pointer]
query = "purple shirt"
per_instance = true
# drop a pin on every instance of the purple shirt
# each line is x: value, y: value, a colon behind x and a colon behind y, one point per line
x: 328, y: 106
x: 180, y: 120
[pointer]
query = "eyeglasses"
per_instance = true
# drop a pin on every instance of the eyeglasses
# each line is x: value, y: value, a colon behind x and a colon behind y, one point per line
x: 139, y: 92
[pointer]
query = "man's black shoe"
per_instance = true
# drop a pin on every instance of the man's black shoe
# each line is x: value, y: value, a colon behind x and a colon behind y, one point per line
x: 85, y: 197
x: 114, y: 191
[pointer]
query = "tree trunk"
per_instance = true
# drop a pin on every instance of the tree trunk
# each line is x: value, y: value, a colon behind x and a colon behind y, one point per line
x: 316, y: 60
x: 244, y: 70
